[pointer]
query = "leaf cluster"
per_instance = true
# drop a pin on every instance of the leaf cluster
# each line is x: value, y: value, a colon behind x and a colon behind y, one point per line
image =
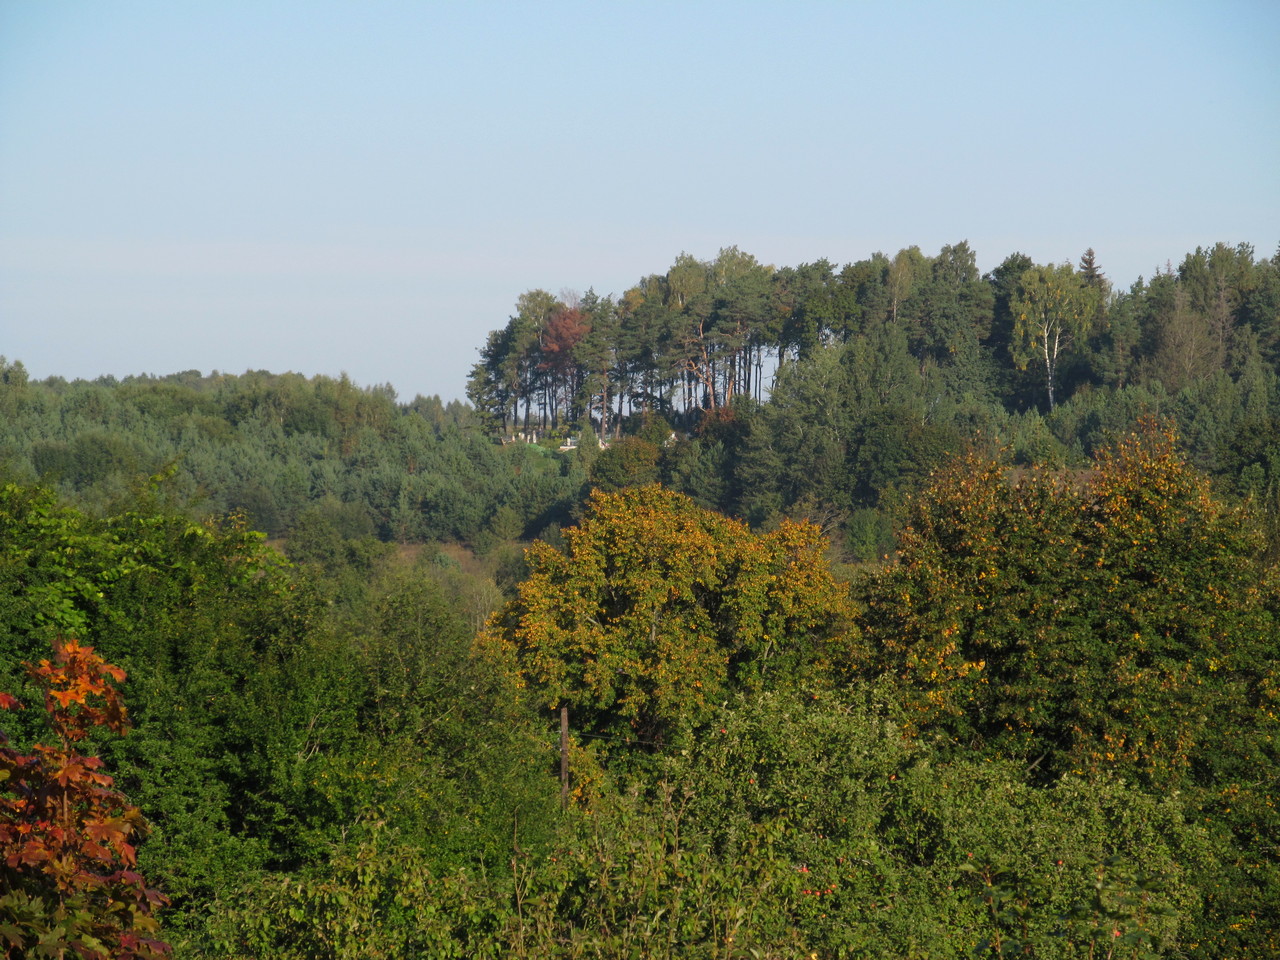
x: 68, y: 854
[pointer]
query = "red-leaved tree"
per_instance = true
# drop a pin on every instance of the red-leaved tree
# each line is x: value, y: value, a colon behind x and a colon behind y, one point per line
x: 68, y: 887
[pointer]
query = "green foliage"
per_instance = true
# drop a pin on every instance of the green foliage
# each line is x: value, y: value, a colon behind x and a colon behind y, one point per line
x: 803, y: 825
x: 273, y: 447
x: 889, y: 842
x: 1067, y: 615
x: 373, y: 899
x: 191, y: 610
x: 391, y: 712
x: 1111, y: 622
x: 1052, y: 308
x: 881, y: 366
x: 272, y: 712
x: 627, y: 881
x: 1121, y: 917
x: 632, y: 462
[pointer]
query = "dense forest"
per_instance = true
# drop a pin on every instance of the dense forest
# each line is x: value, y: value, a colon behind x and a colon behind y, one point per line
x: 893, y: 610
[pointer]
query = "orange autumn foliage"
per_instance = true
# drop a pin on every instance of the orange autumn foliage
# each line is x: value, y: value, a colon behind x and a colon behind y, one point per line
x: 68, y: 838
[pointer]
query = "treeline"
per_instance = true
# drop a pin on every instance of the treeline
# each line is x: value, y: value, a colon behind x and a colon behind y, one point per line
x: 288, y: 452
x: 1024, y: 336
x: 761, y: 393
x: 832, y: 393
x: 1047, y: 728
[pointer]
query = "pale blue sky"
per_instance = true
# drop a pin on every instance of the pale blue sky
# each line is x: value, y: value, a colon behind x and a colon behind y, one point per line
x: 367, y: 187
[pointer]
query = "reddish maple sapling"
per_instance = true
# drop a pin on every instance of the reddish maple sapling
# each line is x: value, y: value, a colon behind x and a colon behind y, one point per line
x: 67, y: 837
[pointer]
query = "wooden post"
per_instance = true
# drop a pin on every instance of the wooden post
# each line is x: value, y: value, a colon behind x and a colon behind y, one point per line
x: 564, y: 758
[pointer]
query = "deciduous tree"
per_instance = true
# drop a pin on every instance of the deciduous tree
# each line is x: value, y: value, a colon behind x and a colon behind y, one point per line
x: 68, y: 838
x: 1052, y: 308
x: 658, y: 606
x: 1106, y: 619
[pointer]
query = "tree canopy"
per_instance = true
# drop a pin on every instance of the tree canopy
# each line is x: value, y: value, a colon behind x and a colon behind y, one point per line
x: 657, y: 607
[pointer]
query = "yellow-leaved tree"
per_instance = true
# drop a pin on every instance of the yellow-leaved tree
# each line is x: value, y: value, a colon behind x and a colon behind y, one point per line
x: 657, y: 608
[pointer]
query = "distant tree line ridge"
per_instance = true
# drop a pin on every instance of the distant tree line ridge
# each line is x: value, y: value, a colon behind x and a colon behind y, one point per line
x: 318, y: 456
x: 1025, y: 335
x: 762, y: 393
x: 832, y: 392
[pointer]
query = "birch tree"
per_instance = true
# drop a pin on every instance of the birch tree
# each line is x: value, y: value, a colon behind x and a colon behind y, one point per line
x: 1052, y: 307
